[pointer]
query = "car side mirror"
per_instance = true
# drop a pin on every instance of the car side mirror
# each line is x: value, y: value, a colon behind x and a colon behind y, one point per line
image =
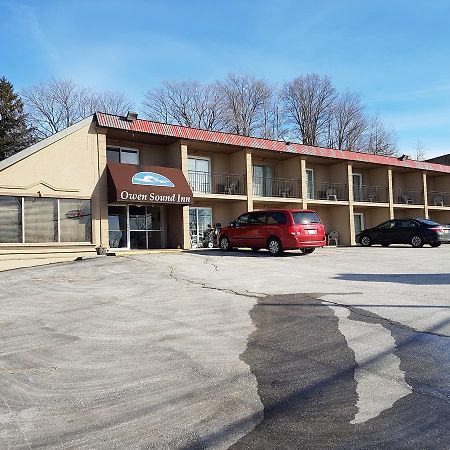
x: 232, y: 224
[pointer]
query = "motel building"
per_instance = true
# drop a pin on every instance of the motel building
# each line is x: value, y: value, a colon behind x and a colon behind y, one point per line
x: 111, y: 183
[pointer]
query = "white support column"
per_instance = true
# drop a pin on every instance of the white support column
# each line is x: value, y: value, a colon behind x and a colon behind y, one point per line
x: 249, y: 178
x: 304, y: 183
x: 425, y: 195
x: 185, y: 170
x: 350, y: 204
x: 390, y: 194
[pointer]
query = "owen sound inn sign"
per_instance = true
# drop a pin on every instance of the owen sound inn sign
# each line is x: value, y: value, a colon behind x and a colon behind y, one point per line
x: 128, y: 183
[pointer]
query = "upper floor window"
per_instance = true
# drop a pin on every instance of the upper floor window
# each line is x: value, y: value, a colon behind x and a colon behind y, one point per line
x: 122, y: 155
x: 200, y: 174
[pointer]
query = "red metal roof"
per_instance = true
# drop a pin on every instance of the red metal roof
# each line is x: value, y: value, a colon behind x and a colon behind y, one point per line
x: 177, y: 131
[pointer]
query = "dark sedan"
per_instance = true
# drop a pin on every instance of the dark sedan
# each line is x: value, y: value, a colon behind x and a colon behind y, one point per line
x: 415, y: 232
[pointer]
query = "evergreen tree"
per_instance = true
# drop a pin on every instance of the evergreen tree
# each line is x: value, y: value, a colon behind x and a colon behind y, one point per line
x: 15, y: 135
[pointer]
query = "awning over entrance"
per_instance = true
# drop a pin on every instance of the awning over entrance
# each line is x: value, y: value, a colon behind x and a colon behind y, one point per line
x: 128, y: 183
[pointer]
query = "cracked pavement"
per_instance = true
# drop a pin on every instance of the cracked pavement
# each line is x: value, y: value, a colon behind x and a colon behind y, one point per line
x: 343, y: 348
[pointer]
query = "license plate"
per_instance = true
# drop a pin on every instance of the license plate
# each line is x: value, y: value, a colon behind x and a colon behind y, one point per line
x: 311, y: 231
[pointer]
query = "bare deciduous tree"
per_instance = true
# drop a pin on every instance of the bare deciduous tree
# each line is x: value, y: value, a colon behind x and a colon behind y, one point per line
x: 111, y: 102
x: 419, y: 151
x: 186, y: 103
x: 273, y: 119
x: 308, y: 100
x: 246, y: 104
x: 307, y: 107
x: 57, y: 104
x: 348, y: 122
x: 377, y: 139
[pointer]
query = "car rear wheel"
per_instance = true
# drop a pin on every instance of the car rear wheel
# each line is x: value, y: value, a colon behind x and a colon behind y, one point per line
x: 417, y: 241
x: 225, y: 244
x: 366, y: 241
x: 436, y: 244
x: 274, y: 247
x: 308, y: 250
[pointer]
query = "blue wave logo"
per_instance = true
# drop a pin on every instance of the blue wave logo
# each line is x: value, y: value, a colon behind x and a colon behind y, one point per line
x: 151, y: 179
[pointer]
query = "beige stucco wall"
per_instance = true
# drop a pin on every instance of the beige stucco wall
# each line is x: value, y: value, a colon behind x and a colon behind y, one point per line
x: 373, y: 216
x: 329, y: 173
x: 407, y: 213
x: 66, y: 168
x: 336, y: 218
x: 174, y: 220
x: 150, y: 154
x: 407, y: 180
x: 440, y: 216
x: 222, y: 212
x: 440, y: 183
x: 373, y: 177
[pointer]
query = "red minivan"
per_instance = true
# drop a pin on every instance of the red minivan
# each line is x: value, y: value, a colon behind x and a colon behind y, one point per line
x: 276, y: 230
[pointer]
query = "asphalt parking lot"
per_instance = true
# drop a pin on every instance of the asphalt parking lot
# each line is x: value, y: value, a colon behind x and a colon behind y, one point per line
x: 344, y: 348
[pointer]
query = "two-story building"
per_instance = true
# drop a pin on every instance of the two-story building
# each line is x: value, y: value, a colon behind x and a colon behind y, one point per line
x: 124, y: 183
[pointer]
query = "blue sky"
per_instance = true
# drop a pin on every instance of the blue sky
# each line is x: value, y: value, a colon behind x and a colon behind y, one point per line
x: 395, y: 54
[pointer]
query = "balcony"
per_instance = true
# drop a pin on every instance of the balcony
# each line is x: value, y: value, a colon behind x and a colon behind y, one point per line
x: 276, y: 187
x: 327, y: 191
x: 436, y: 198
x: 372, y: 194
x: 217, y: 183
x: 408, y: 197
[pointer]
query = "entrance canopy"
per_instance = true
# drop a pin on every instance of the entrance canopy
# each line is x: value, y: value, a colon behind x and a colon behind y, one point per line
x: 128, y: 183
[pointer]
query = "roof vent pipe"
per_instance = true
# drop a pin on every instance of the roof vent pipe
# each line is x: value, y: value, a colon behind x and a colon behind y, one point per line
x: 403, y: 157
x: 131, y: 116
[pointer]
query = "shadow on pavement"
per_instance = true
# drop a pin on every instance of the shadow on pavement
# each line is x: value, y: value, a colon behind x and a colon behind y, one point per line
x: 404, y: 278
x: 247, y: 253
x: 305, y: 375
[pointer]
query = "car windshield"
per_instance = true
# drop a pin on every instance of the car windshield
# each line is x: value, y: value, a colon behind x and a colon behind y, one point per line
x: 428, y: 222
x: 301, y: 218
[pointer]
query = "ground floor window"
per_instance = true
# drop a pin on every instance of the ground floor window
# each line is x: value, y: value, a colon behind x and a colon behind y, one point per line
x: 359, y: 222
x: 200, y: 219
x: 41, y: 218
x: 11, y: 220
x: 44, y: 220
x: 136, y: 227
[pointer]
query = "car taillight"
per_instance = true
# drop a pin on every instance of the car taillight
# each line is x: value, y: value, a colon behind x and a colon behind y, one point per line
x: 293, y: 231
x: 438, y: 230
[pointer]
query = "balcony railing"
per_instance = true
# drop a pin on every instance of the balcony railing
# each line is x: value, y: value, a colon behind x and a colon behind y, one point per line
x: 373, y: 194
x: 327, y: 191
x: 436, y: 198
x: 217, y: 183
x: 408, y: 197
x: 276, y: 187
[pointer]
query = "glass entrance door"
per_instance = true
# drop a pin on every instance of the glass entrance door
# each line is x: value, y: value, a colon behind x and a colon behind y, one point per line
x: 357, y: 187
x: 145, y: 227
x: 200, y: 174
x: 199, y: 220
x: 310, y: 184
x: 135, y: 227
x: 359, y: 222
x: 262, y: 180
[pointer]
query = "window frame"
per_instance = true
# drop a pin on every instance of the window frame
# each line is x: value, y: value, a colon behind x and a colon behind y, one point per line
x: 127, y: 149
x: 58, y: 208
